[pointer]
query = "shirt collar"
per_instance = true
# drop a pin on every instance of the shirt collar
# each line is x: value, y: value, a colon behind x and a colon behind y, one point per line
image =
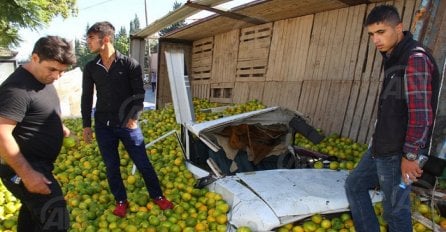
x: 118, y: 56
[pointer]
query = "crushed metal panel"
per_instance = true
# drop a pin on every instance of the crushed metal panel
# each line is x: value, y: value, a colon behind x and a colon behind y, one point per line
x: 196, y: 171
x: 201, y: 129
x: 205, y: 127
x: 265, y: 200
x: 206, y: 130
x: 306, y: 190
x: 300, y: 191
x: 247, y: 208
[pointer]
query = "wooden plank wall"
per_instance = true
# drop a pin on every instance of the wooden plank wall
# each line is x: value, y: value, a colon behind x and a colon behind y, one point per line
x: 289, y: 49
x: 323, y: 65
x: 437, y: 44
x: 329, y: 71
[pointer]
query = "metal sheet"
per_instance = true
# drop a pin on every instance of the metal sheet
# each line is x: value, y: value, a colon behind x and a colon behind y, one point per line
x: 265, y: 200
x: 200, y: 128
x: 247, y: 208
x: 206, y: 130
x: 299, y: 191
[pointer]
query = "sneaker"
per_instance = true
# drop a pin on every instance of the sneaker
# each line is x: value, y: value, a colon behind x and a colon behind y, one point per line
x: 121, y: 208
x: 163, y: 203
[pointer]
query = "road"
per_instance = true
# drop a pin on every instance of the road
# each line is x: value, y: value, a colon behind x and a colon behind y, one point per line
x: 149, y: 98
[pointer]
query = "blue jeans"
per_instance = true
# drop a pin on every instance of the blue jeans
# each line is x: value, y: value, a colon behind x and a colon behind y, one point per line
x: 383, y: 171
x: 108, y: 140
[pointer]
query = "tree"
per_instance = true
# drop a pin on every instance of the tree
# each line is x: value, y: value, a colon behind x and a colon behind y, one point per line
x: 16, y: 14
x: 174, y: 26
x: 134, y: 25
x: 83, y: 55
x: 122, y: 41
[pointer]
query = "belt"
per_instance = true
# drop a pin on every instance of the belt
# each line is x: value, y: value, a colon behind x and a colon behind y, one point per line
x: 110, y: 123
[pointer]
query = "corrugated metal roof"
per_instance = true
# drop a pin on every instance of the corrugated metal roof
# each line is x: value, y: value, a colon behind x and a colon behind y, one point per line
x: 256, y: 12
x: 174, y: 17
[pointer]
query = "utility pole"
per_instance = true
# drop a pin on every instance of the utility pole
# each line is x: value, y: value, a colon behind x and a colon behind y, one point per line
x: 145, y: 10
x: 147, y: 44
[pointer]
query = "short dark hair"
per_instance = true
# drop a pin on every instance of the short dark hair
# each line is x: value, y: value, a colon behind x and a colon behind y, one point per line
x: 55, y: 48
x: 103, y: 29
x: 383, y: 14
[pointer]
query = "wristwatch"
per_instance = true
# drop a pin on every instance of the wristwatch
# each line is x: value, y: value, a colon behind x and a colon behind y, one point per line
x: 410, y: 156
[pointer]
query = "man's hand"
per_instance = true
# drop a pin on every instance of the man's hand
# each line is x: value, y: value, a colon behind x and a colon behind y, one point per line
x: 132, y: 124
x: 87, y: 134
x: 36, y: 182
x: 410, y: 170
x: 66, y: 131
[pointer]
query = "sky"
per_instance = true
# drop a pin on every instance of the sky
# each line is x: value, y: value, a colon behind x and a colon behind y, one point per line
x: 117, y: 12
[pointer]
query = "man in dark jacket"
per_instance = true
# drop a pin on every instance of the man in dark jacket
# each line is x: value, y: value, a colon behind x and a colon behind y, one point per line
x: 407, y: 105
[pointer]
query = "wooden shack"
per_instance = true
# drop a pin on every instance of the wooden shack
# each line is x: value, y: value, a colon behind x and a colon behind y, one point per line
x: 312, y: 56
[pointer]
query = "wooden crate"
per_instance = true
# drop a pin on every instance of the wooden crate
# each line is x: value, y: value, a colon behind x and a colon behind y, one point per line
x: 224, y: 60
x: 251, y: 70
x: 202, y: 51
x: 253, y: 53
x: 222, y: 92
x: 201, y: 90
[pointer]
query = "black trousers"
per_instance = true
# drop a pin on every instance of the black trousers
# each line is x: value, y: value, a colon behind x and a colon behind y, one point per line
x: 38, y: 212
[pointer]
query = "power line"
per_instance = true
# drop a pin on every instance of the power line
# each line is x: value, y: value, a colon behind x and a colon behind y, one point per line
x: 97, y: 4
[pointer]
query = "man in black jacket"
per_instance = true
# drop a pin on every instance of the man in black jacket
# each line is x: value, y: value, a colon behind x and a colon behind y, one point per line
x: 120, y: 95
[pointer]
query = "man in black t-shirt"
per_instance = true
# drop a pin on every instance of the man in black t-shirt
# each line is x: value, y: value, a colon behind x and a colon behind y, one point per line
x: 31, y: 135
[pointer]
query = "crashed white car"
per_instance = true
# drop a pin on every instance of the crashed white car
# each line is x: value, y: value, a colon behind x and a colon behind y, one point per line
x: 262, y: 195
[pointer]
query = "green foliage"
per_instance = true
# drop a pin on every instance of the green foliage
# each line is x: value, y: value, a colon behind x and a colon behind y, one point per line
x: 82, y: 54
x: 33, y: 14
x: 122, y: 43
x: 174, y: 26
